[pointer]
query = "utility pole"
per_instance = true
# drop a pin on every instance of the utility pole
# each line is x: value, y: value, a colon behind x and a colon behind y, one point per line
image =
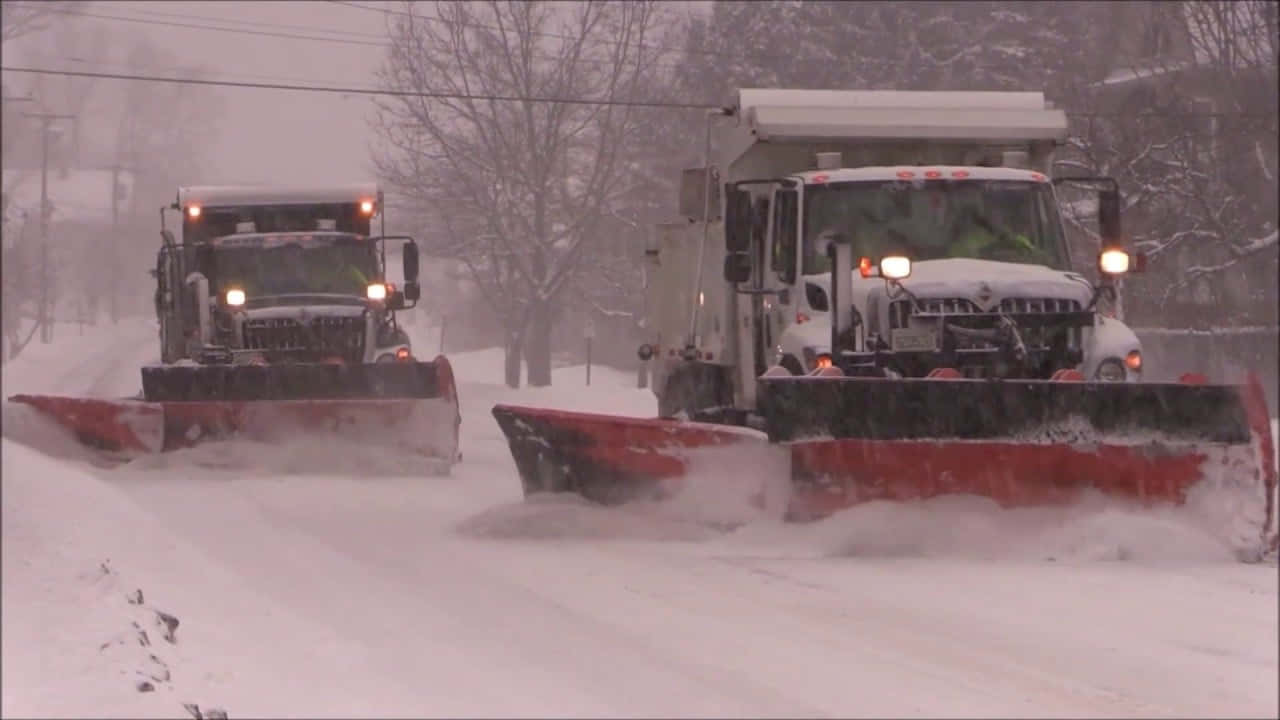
x: 44, y: 316
x: 113, y: 263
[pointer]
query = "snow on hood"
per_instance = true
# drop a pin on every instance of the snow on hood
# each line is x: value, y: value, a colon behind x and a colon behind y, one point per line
x: 295, y: 312
x: 964, y: 277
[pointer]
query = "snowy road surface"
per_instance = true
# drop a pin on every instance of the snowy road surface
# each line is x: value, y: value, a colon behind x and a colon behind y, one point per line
x: 306, y: 582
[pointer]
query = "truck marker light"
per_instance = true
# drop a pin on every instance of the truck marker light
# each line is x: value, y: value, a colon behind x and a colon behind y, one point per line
x: 906, y: 174
x: 960, y: 174
x: 864, y: 267
x: 1134, y: 360
x: 824, y: 361
x: 235, y: 297
x: 402, y: 354
x: 895, y: 267
x: 376, y: 291
x: 932, y: 174
x: 801, y: 318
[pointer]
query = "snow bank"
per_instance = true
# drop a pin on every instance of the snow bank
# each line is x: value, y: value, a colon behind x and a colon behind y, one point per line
x: 74, y: 551
x: 102, y: 360
x: 972, y: 528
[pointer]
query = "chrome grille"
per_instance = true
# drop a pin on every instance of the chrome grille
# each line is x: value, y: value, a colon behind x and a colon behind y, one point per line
x: 900, y: 313
x: 342, y: 336
x: 900, y: 310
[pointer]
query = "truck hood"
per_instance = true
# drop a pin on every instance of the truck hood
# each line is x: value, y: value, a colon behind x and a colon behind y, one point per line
x: 302, y: 313
x: 985, y: 282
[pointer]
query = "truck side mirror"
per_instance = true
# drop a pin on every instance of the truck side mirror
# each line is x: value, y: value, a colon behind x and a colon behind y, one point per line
x: 1109, y: 217
x: 738, y: 220
x: 411, y: 291
x: 737, y: 267
x: 410, y: 258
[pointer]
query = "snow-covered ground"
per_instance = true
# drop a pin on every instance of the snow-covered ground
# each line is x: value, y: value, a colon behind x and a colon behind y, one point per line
x: 304, y: 589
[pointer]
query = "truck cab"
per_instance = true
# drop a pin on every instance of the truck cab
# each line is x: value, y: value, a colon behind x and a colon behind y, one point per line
x: 984, y: 243
x: 278, y: 275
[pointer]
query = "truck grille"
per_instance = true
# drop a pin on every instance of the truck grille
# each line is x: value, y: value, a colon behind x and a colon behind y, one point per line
x: 900, y: 312
x: 323, y: 336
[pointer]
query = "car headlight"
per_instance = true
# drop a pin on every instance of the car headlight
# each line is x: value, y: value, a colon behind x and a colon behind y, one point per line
x: 1111, y: 370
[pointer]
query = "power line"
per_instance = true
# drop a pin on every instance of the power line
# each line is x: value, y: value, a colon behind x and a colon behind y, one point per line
x: 383, y: 43
x: 255, y: 23
x: 519, y: 98
x: 363, y: 91
x: 237, y: 31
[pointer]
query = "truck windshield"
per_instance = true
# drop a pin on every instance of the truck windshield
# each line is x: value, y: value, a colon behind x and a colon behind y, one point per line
x: 343, y: 266
x: 1006, y: 220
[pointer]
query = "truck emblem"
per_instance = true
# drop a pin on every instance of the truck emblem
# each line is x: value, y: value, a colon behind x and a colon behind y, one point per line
x: 984, y: 293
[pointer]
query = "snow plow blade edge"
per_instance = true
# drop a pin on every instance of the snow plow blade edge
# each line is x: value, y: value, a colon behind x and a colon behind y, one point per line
x: 1018, y: 443
x: 412, y: 408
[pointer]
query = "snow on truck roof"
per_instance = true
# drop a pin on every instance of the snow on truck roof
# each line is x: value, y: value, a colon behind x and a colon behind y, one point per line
x: 231, y: 195
x: 920, y: 172
x: 798, y: 115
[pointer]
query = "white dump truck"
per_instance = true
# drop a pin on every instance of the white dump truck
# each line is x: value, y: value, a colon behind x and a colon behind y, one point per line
x: 956, y: 184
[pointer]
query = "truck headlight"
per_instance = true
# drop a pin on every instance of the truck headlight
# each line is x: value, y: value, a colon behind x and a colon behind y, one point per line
x: 376, y: 291
x: 1113, y: 261
x: 1111, y: 370
x: 235, y: 297
x: 895, y: 267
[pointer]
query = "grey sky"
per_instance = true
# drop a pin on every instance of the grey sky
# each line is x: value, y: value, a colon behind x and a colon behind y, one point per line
x: 266, y: 135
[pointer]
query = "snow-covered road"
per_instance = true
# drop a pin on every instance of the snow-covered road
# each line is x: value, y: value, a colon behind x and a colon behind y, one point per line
x: 343, y: 593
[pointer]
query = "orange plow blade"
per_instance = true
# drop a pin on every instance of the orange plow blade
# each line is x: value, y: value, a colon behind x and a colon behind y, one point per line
x: 424, y: 423
x: 848, y: 441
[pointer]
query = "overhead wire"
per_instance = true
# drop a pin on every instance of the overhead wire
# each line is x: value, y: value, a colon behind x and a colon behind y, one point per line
x: 278, y: 85
x: 363, y: 91
x: 384, y: 42
x: 349, y: 90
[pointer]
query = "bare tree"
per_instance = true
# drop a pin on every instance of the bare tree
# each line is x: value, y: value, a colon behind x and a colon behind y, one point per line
x: 1190, y: 132
x: 516, y: 188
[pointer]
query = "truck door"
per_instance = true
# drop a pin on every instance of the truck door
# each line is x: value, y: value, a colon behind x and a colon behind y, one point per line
x: 168, y: 274
x: 783, y: 255
x: 758, y: 299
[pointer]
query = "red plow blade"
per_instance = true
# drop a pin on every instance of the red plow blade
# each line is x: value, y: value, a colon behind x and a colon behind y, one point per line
x: 1223, y: 469
x: 424, y: 426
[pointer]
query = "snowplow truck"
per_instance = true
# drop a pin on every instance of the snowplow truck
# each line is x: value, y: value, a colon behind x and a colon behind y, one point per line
x: 275, y: 317
x: 879, y: 287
